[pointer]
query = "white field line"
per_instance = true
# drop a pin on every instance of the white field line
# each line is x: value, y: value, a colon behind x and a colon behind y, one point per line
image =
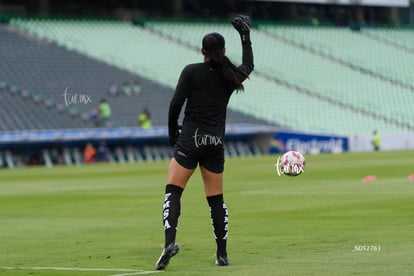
x: 137, y: 273
x: 126, y: 270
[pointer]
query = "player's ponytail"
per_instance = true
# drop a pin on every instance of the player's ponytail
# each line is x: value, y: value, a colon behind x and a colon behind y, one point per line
x: 213, y: 49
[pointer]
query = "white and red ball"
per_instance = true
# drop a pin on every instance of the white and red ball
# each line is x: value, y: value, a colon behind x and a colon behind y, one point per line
x: 291, y: 163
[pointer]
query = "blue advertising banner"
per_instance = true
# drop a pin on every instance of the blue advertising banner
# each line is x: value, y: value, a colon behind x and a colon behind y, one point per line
x: 117, y: 135
x: 308, y: 143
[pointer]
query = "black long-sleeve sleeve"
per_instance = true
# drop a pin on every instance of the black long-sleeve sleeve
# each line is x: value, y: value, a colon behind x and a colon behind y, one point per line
x: 177, y: 102
x: 247, y: 65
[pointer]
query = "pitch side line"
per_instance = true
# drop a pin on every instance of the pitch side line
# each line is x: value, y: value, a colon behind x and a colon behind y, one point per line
x: 126, y: 270
x: 137, y: 273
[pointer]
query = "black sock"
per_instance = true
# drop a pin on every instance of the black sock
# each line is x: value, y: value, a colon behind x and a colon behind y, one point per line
x: 171, y: 212
x: 219, y: 219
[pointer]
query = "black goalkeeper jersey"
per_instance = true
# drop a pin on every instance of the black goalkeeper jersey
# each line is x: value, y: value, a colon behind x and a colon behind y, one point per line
x: 206, y: 94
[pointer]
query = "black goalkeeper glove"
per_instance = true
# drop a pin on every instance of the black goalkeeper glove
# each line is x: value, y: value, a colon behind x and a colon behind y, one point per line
x: 242, y: 24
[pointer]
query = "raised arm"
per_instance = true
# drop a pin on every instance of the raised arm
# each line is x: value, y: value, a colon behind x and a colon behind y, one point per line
x: 242, y: 24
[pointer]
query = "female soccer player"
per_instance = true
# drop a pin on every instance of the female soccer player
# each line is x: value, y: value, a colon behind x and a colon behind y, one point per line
x: 207, y: 88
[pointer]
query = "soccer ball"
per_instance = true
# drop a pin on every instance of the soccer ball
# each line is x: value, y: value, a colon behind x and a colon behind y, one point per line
x: 291, y: 163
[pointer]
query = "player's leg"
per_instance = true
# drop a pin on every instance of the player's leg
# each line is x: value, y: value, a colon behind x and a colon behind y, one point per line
x: 213, y: 188
x: 177, y: 179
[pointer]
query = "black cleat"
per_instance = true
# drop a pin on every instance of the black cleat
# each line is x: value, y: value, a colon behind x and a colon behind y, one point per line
x: 222, y: 260
x: 166, y: 255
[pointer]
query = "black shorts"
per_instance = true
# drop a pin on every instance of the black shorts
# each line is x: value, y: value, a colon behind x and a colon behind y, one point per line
x: 200, y: 148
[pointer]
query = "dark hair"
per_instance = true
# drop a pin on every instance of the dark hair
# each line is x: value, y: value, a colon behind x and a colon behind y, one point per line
x: 213, y: 45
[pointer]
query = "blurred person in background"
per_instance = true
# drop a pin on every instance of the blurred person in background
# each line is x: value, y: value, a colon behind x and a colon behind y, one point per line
x: 102, y: 152
x: 136, y: 88
x: 89, y: 154
x: 127, y: 88
x: 104, y: 111
x: 144, y: 119
x: 113, y: 89
x: 376, y: 140
x: 206, y: 88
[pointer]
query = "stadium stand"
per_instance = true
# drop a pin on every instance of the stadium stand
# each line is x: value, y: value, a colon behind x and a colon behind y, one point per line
x: 49, y: 71
x: 21, y: 109
x: 402, y: 38
x: 333, y: 81
x: 372, y: 75
x: 312, y: 84
x: 302, y: 81
x: 355, y: 48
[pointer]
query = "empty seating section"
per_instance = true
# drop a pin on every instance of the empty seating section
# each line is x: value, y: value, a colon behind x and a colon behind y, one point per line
x: 362, y: 90
x: 401, y: 37
x: 293, y: 110
x: 160, y: 50
x: 193, y: 33
x: 20, y: 111
x: 356, y: 48
x: 117, y: 43
x: 46, y: 71
x: 304, y: 69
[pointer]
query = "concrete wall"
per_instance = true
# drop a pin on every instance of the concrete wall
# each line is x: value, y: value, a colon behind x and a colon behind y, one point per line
x: 389, y: 141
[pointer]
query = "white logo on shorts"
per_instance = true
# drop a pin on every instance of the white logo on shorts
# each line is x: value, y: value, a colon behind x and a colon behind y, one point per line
x: 206, y: 139
x: 181, y: 153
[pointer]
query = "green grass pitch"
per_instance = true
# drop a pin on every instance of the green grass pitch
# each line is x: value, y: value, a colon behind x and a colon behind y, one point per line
x: 65, y: 220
